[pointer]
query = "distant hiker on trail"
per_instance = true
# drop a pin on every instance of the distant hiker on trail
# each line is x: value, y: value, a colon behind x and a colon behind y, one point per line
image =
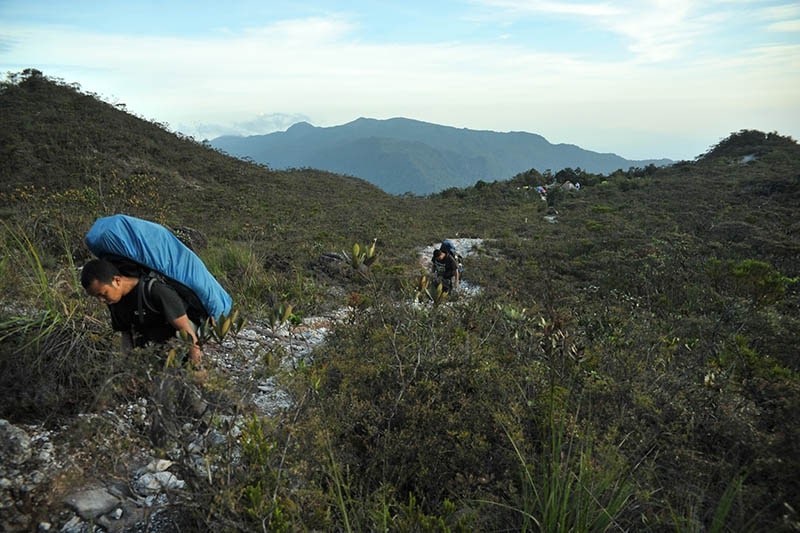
x: 445, y: 267
x: 156, y: 319
x: 449, y: 248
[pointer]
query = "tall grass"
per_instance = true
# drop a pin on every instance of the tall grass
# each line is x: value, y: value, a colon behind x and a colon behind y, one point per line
x: 54, y: 351
x: 567, y: 488
x: 725, y: 505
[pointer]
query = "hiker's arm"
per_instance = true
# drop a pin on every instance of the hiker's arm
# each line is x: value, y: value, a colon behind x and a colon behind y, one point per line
x: 174, y: 310
x: 182, y: 323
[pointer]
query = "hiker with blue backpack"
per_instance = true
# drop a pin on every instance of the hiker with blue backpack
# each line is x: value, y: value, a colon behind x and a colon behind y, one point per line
x: 446, y: 266
x: 154, y: 285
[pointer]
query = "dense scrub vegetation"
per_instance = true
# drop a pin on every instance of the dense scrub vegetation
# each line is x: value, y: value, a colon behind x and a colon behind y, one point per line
x: 632, y: 366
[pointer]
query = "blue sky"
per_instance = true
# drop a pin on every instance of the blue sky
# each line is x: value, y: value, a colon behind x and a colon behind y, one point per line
x: 640, y: 78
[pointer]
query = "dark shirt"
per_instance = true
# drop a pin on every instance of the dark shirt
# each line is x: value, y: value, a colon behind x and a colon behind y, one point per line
x: 155, y: 325
x: 445, y: 268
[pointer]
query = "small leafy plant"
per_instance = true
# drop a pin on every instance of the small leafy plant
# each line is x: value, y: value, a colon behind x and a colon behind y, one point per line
x: 362, y: 257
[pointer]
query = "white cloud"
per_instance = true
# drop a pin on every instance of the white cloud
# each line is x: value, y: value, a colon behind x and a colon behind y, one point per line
x: 788, y: 26
x: 260, y: 124
x: 584, y: 9
x: 293, y: 32
x: 655, y: 30
x: 781, y: 12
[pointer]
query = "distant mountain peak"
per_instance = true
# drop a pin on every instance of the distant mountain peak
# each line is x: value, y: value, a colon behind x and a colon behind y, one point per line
x: 301, y: 126
x: 403, y: 155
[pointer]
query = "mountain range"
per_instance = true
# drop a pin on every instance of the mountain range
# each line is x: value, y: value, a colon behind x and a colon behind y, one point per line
x: 402, y: 155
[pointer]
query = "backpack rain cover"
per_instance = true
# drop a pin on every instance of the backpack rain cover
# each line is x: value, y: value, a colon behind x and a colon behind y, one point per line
x: 157, y: 248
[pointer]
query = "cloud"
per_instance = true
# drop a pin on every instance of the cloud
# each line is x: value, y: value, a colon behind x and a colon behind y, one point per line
x: 301, y: 31
x: 6, y: 45
x: 654, y: 31
x: 788, y: 26
x: 583, y: 9
x: 781, y: 12
x: 259, y: 125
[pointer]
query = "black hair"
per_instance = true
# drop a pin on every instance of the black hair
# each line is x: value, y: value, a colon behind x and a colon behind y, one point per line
x: 100, y: 270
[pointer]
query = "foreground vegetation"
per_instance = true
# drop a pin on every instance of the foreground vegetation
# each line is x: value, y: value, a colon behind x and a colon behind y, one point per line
x: 631, y: 367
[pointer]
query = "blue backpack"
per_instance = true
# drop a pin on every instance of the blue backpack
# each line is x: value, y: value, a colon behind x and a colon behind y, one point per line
x: 155, y: 247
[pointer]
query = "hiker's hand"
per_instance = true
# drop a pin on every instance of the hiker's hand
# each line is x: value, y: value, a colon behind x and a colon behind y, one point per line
x: 195, y: 355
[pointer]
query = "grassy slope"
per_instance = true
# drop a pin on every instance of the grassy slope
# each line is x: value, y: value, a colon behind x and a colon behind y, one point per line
x: 689, y: 366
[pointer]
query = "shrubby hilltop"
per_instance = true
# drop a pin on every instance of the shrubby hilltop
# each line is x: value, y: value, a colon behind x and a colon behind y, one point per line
x: 628, y: 364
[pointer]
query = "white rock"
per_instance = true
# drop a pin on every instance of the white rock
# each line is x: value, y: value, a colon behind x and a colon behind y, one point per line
x: 90, y: 504
x: 155, y: 482
x: 15, y: 444
x: 157, y: 465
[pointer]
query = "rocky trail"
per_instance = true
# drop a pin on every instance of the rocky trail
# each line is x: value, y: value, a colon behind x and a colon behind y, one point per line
x: 139, y: 494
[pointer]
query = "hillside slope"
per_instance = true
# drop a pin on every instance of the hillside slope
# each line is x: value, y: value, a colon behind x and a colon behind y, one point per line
x: 56, y: 138
x: 630, y: 348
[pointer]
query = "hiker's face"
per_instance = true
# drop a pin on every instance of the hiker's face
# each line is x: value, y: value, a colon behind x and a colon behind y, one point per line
x: 108, y: 293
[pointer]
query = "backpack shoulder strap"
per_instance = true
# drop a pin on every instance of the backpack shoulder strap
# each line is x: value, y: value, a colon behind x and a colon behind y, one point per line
x: 144, y: 299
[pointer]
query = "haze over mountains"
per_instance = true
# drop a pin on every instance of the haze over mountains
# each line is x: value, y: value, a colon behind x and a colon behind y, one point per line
x: 401, y: 155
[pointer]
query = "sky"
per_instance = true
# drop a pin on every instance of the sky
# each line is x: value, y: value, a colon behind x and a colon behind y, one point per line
x: 639, y: 78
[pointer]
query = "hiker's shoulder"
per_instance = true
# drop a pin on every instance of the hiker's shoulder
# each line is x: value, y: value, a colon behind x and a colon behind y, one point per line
x: 158, y: 287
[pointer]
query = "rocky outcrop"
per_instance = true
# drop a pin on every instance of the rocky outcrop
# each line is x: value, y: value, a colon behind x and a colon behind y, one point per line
x: 26, y: 461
